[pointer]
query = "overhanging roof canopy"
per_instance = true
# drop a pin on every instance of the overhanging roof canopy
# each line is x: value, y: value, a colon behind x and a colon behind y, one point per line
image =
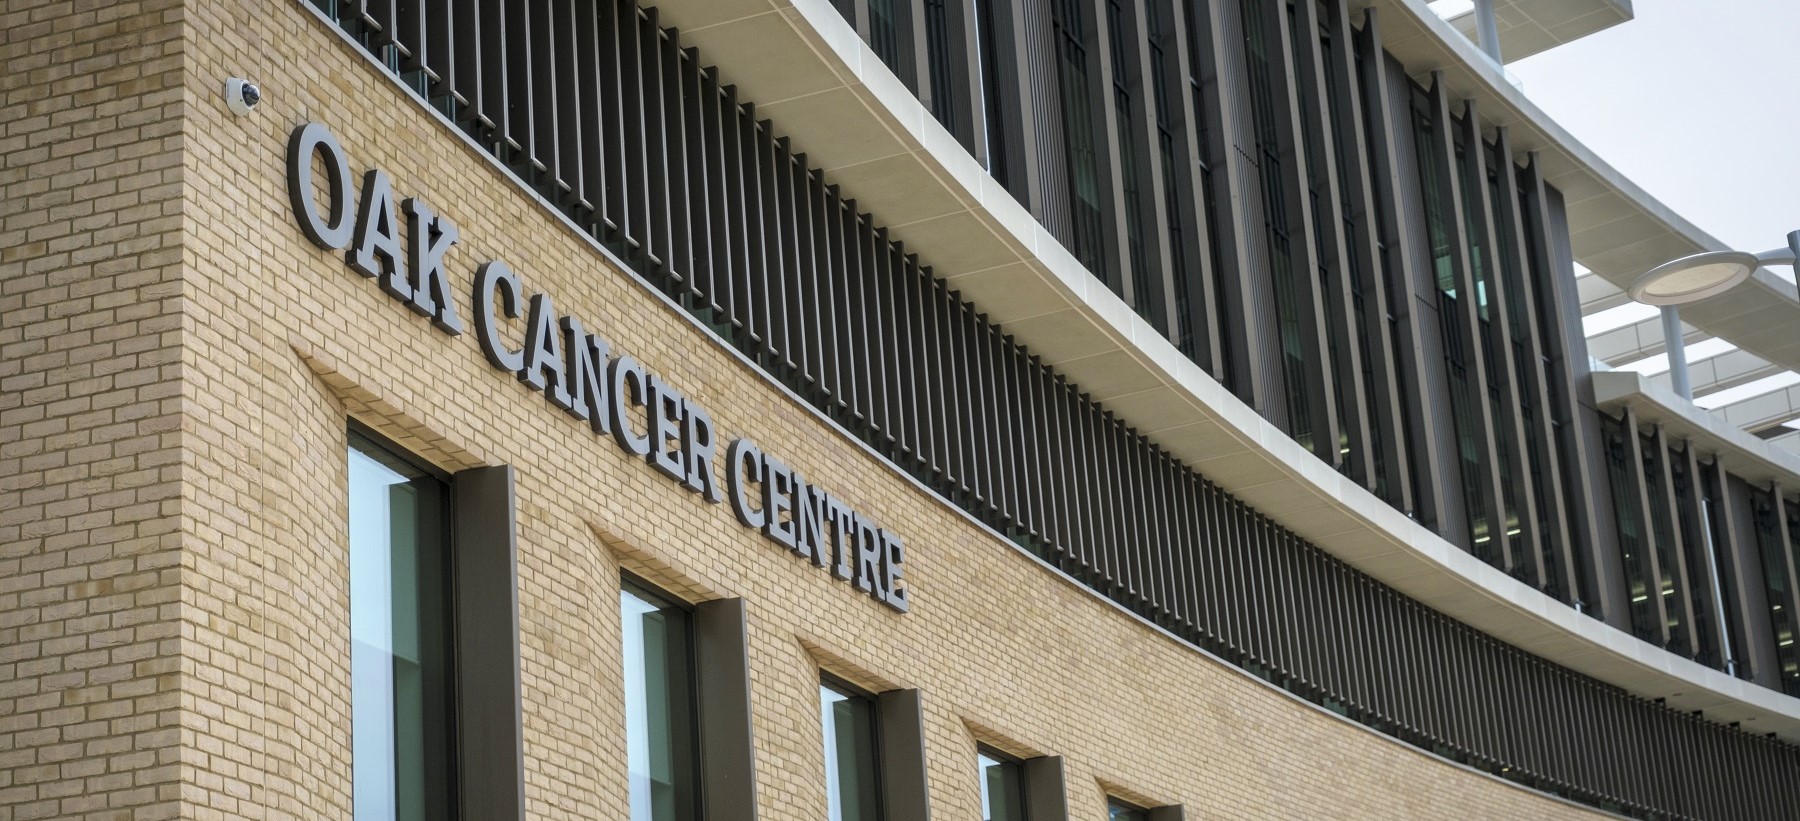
x: 1530, y: 26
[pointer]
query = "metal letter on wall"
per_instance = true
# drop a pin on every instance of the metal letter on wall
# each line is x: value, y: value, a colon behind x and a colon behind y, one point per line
x: 310, y: 140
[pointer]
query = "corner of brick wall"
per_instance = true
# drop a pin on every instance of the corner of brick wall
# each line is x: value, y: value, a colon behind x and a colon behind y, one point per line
x: 90, y: 409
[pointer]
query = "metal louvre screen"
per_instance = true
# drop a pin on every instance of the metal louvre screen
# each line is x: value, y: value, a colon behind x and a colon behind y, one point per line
x: 634, y: 138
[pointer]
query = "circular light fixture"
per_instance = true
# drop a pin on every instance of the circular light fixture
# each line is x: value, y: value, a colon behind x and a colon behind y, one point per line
x: 1693, y: 277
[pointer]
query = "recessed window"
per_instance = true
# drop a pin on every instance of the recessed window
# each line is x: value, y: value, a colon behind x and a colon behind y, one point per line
x: 852, y: 786
x: 659, y: 706
x: 1117, y: 810
x: 1002, y: 787
x: 402, y: 709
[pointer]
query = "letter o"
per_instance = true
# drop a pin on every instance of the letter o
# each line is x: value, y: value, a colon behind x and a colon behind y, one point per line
x: 308, y: 140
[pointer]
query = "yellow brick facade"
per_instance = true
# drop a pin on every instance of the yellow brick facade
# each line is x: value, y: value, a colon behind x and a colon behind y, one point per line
x: 179, y: 367
x: 90, y: 410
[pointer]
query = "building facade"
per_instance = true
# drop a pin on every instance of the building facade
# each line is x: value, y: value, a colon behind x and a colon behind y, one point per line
x: 1014, y: 409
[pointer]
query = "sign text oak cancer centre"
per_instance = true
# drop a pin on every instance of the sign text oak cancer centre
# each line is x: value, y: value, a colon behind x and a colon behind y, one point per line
x: 577, y: 371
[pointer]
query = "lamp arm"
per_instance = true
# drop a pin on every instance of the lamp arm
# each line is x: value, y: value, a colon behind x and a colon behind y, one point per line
x: 1789, y: 255
x: 1779, y: 256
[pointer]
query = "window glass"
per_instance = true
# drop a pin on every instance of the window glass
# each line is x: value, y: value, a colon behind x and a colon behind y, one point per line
x: 399, y: 625
x: 850, y: 783
x: 1002, y: 789
x: 1120, y: 811
x: 659, y: 727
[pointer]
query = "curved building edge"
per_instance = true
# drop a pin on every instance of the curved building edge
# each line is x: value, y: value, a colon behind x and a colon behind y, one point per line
x: 875, y: 137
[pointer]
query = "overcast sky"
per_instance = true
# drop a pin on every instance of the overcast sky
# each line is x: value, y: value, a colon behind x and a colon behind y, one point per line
x: 1698, y: 101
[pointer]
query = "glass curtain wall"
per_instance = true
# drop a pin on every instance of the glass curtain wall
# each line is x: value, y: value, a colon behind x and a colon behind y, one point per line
x: 1662, y: 528
x: 1156, y: 29
x: 1457, y: 361
x: 1197, y: 96
x: 1775, y: 586
x: 1144, y: 293
x: 993, y: 98
x: 1083, y: 149
x: 1344, y: 146
x: 1629, y: 518
x: 1263, y: 55
x: 402, y: 731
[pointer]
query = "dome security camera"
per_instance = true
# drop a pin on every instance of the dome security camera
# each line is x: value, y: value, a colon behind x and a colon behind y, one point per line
x: 241, y: 95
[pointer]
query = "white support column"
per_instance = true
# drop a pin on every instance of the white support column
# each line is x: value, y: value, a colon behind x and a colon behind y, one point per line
x: 1487, y: 34
x: 1677, y: 350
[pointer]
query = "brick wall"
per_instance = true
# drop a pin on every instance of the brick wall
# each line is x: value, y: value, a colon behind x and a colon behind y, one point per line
x: 278, y: 343
x: 90, y: 333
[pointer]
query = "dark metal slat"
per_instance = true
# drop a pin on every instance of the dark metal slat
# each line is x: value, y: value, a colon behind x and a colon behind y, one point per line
x: 903, y: 365
x: 1000, y: 421
x: 469, y: 61
x: 1044, y: 467
x: 573, y: 105
x: 882, y: 258
x: 759, y: 307
x: 634, y: 145
x: 1029, y: 467
x: 855, y: 326
x: 734, y: 220
x: 1068, y: 519
x: 1101, y: 481
x: 847, y: 257
x: 815, y: 301
x: 546, y: 78
x: 772, y: 268
x: 652, y: 45
x: 412, y: 25
x: 949, y: 390
x: 823, y: 215
x: 932, y: 407
x: 520, y: 131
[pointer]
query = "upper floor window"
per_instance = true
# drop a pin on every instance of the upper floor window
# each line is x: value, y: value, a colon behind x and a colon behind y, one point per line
x: 1002, y: 787
x: 852, y: 787
x: 1117, y: 810
x: 659, y: 706
x: 402, y: 702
